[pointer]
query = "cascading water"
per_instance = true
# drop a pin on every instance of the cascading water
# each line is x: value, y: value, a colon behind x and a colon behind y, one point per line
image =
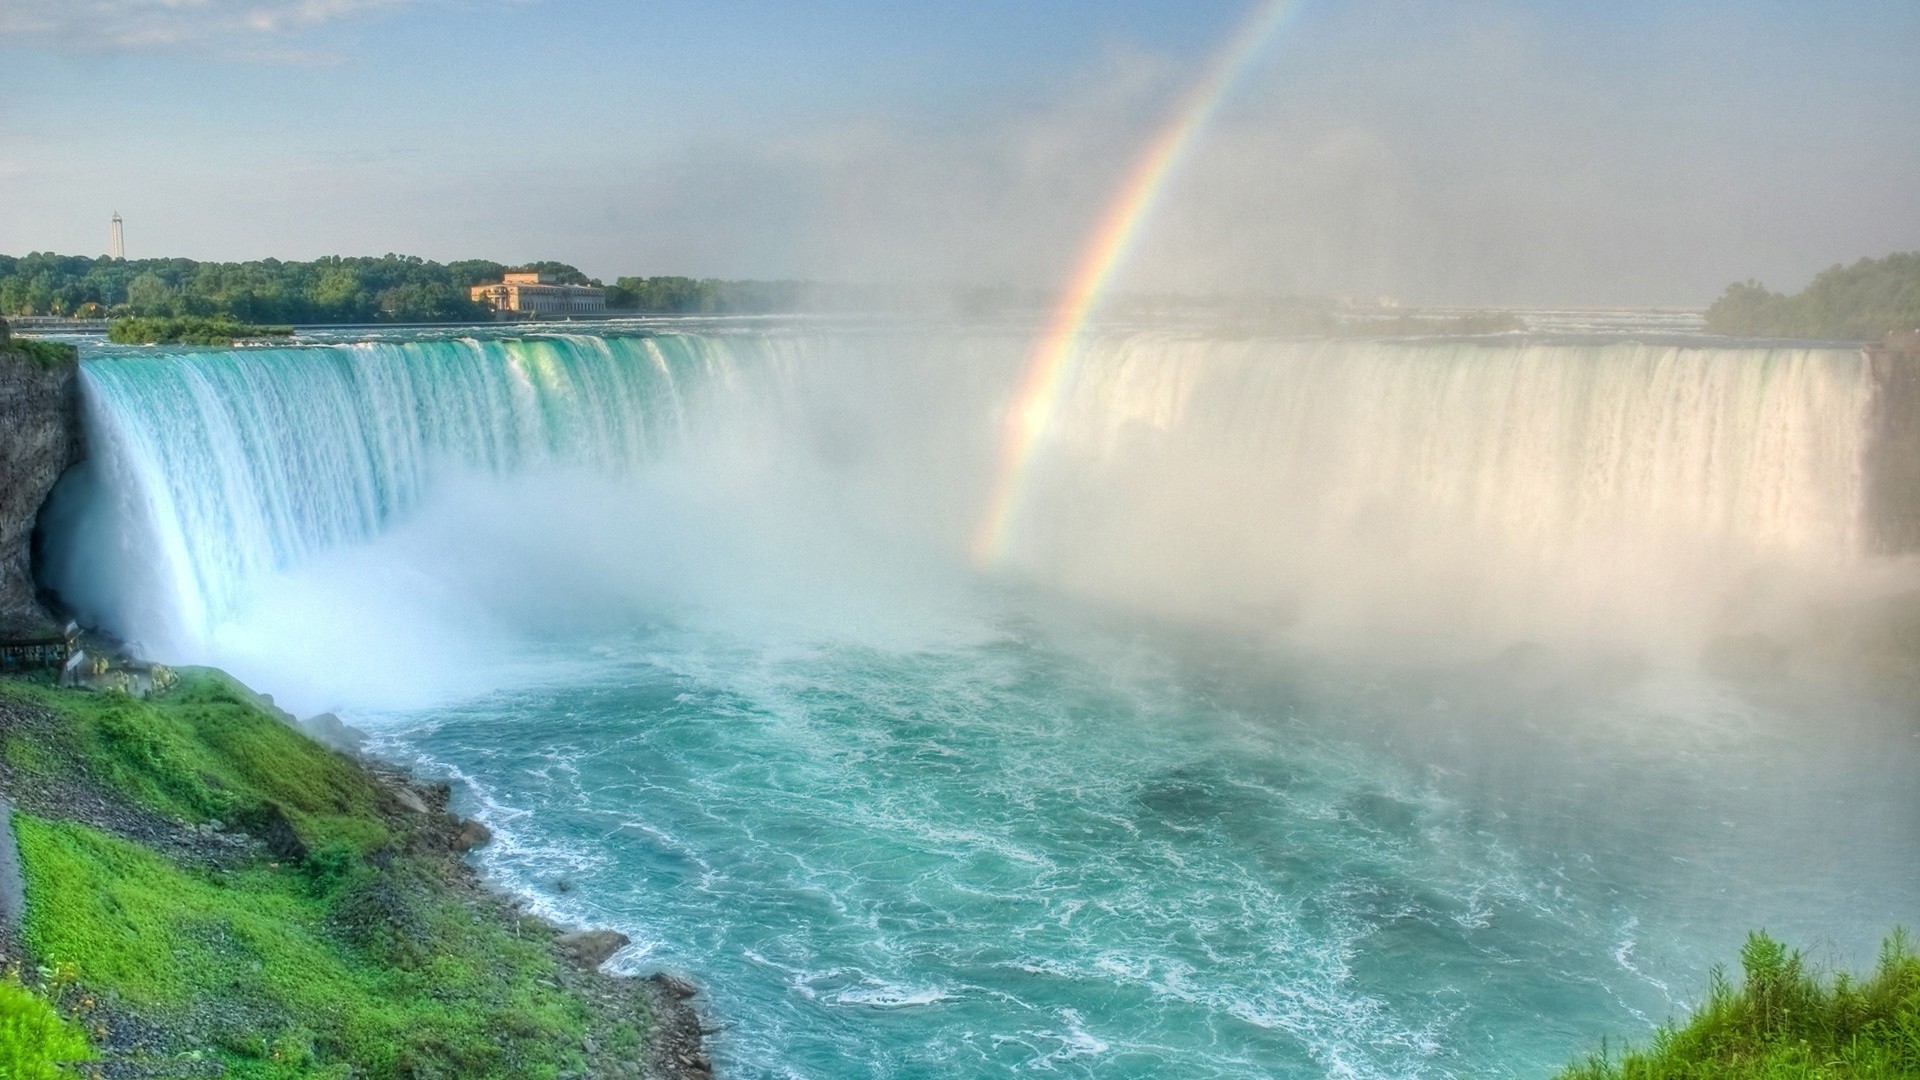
x: 1198, y: 473
x: 1334, y: 711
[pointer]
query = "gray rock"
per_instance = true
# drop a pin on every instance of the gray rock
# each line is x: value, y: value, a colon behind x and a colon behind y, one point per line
x: 590, y: 948
x: 472, y: 834
x: 332, y: 731
x: 673, y: 985
x: 39, y: 438
x: 408, y: 799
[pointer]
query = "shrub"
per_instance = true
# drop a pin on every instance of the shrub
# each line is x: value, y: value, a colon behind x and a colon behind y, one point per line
x: 1784, y: 1022
x: 187, y: 330
x: 48, y: 354
x: 34, y: 1041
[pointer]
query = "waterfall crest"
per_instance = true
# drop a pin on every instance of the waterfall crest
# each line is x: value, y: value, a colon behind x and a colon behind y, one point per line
x: 1295, y: 481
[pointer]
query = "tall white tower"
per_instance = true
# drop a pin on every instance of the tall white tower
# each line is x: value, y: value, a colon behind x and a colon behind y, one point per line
x: 119, y: 241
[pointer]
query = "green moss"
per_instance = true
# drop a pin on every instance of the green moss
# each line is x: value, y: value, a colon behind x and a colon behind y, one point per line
x: 207, y: 749
x: 34, y: 1041
x: 1785, y: 1024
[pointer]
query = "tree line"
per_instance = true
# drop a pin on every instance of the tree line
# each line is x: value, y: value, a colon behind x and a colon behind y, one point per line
x: 336, y: 289
x: 1861, y: 302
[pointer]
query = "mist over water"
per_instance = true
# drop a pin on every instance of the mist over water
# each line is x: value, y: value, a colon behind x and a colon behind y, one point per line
x: 1353, y: 707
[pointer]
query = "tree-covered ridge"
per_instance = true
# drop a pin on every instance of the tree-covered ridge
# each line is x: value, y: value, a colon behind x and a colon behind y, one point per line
x: 1865, y: 301
x: 333, y: 289
x: 398, y: 288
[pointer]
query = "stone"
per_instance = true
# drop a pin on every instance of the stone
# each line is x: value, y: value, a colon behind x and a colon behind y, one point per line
x: 332, y: 731
x: 591, y: 948
x: 673, y: 985
x: 40, y: 437
x: 407, y: 799
x: 472, y: 834
x: 270, y: 826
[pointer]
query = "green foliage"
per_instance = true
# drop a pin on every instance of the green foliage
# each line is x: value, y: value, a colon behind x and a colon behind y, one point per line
x: 466, y: 998
x: 1785, y: 1023
x: 1864, y: 301
x: 48, y: 354
x: 365, y: 958
x: 187, y: 330
x: 557, y: 272
x: 330, y: 290
x: 206, y: 750
x: 34, y: 1041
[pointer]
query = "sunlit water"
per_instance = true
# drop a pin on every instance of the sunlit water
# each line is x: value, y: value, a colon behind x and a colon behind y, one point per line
x: 681, y: 616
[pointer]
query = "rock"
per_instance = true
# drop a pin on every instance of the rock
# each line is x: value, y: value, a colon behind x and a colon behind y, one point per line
x: 407, y: 799
x: 270, y: 826
x: 673, y: 985
x: 590, y: 948
x: 472, y: 834
x: 40, y: 436
x: 331, y: 730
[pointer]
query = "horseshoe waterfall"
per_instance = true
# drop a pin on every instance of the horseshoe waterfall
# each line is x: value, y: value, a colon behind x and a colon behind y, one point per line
x: 1339, y: 707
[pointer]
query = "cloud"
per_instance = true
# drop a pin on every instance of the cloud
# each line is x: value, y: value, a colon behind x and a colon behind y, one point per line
x: 255, y: 27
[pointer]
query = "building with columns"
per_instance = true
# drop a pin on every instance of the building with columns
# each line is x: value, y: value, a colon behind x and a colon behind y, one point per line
x: 527, y: 293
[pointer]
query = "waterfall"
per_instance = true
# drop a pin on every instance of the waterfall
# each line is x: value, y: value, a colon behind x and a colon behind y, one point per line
x: 1349, y: 483
x: 1471, y: 478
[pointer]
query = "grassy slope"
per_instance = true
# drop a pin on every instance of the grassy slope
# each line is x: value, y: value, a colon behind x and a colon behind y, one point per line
x: 365, y: 957
x: 1785, y: 1024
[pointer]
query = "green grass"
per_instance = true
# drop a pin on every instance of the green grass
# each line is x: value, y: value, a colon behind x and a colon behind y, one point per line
x: 206, y: 750
x: 386, y: 977
x: 366, y: 958
x: 34, y: 1041
x: 1784, y: 1023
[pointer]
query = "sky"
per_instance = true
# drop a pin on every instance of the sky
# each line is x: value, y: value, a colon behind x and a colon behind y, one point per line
x: 1467, y: 151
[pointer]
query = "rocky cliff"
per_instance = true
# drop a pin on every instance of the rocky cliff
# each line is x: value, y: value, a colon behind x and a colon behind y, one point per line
x: 39, y: 439
x: 1892, y: 471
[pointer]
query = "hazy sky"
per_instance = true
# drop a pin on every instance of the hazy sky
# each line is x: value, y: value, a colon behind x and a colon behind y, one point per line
x: 1467, y: 151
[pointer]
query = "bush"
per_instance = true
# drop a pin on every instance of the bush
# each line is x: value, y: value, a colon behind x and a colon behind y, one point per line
x: 188, y: 330
x: 47, y: 354
x: 34, y: 1041
x: 1784, y: 1022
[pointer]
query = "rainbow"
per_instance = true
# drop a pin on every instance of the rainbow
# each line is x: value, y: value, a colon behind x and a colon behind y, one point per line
x: 1057, y: 348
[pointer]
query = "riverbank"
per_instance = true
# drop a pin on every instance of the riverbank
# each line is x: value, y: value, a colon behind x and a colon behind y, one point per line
x: 209, y: 891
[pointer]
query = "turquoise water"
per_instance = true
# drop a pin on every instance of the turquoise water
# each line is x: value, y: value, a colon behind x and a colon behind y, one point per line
x: 1073, y: 847
x: 1312, y: 729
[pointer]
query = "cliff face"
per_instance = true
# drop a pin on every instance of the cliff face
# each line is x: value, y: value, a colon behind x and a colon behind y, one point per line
x: 39, y: 439
x: 1893, y: 457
